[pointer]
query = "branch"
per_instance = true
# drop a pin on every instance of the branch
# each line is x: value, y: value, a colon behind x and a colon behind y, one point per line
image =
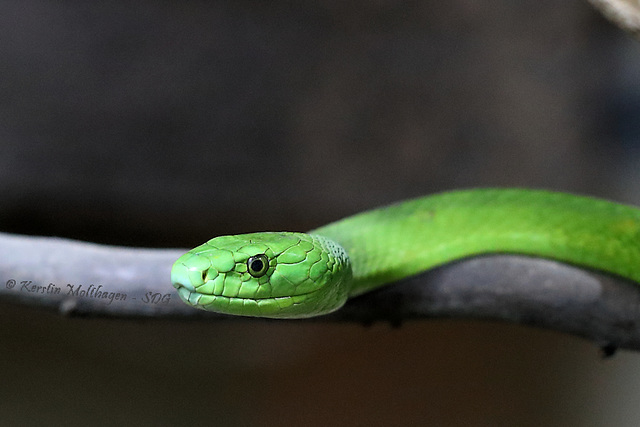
x: 77, y: 278
x: 624, y: 13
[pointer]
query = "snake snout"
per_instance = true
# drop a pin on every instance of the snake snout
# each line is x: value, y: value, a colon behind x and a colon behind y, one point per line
x: 180, y: 277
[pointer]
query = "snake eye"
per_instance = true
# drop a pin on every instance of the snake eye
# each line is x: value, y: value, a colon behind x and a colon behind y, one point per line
x: 258, y: 265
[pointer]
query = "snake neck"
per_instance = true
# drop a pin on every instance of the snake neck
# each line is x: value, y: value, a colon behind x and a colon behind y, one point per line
x: 401, y: 240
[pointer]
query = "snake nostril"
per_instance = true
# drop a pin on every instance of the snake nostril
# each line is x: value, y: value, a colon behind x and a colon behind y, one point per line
x: 204, y: 276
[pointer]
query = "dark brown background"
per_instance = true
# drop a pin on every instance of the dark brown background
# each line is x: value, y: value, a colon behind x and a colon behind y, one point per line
x: 165, y: 123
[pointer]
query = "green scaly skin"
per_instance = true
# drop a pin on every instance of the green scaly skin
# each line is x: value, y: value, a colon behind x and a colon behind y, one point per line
x: 315, y: 273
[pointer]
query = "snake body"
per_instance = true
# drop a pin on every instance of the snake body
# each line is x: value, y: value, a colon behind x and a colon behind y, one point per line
x: 289, y: 275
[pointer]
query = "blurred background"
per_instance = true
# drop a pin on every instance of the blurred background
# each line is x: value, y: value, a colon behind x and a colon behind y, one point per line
x: 162, y: 124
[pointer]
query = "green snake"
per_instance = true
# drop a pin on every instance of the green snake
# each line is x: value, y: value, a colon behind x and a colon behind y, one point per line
x: 295, y: 275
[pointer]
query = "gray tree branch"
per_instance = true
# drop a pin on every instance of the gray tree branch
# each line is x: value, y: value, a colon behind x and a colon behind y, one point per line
x: 78, y: 278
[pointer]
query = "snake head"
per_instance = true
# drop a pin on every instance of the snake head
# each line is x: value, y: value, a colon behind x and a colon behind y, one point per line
x: 280, y: 275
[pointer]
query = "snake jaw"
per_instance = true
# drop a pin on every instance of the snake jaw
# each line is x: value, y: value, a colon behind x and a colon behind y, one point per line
x: 273, y: 307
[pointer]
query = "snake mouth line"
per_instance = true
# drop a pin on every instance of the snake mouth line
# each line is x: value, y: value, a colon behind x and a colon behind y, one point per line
x: 189, y: 295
